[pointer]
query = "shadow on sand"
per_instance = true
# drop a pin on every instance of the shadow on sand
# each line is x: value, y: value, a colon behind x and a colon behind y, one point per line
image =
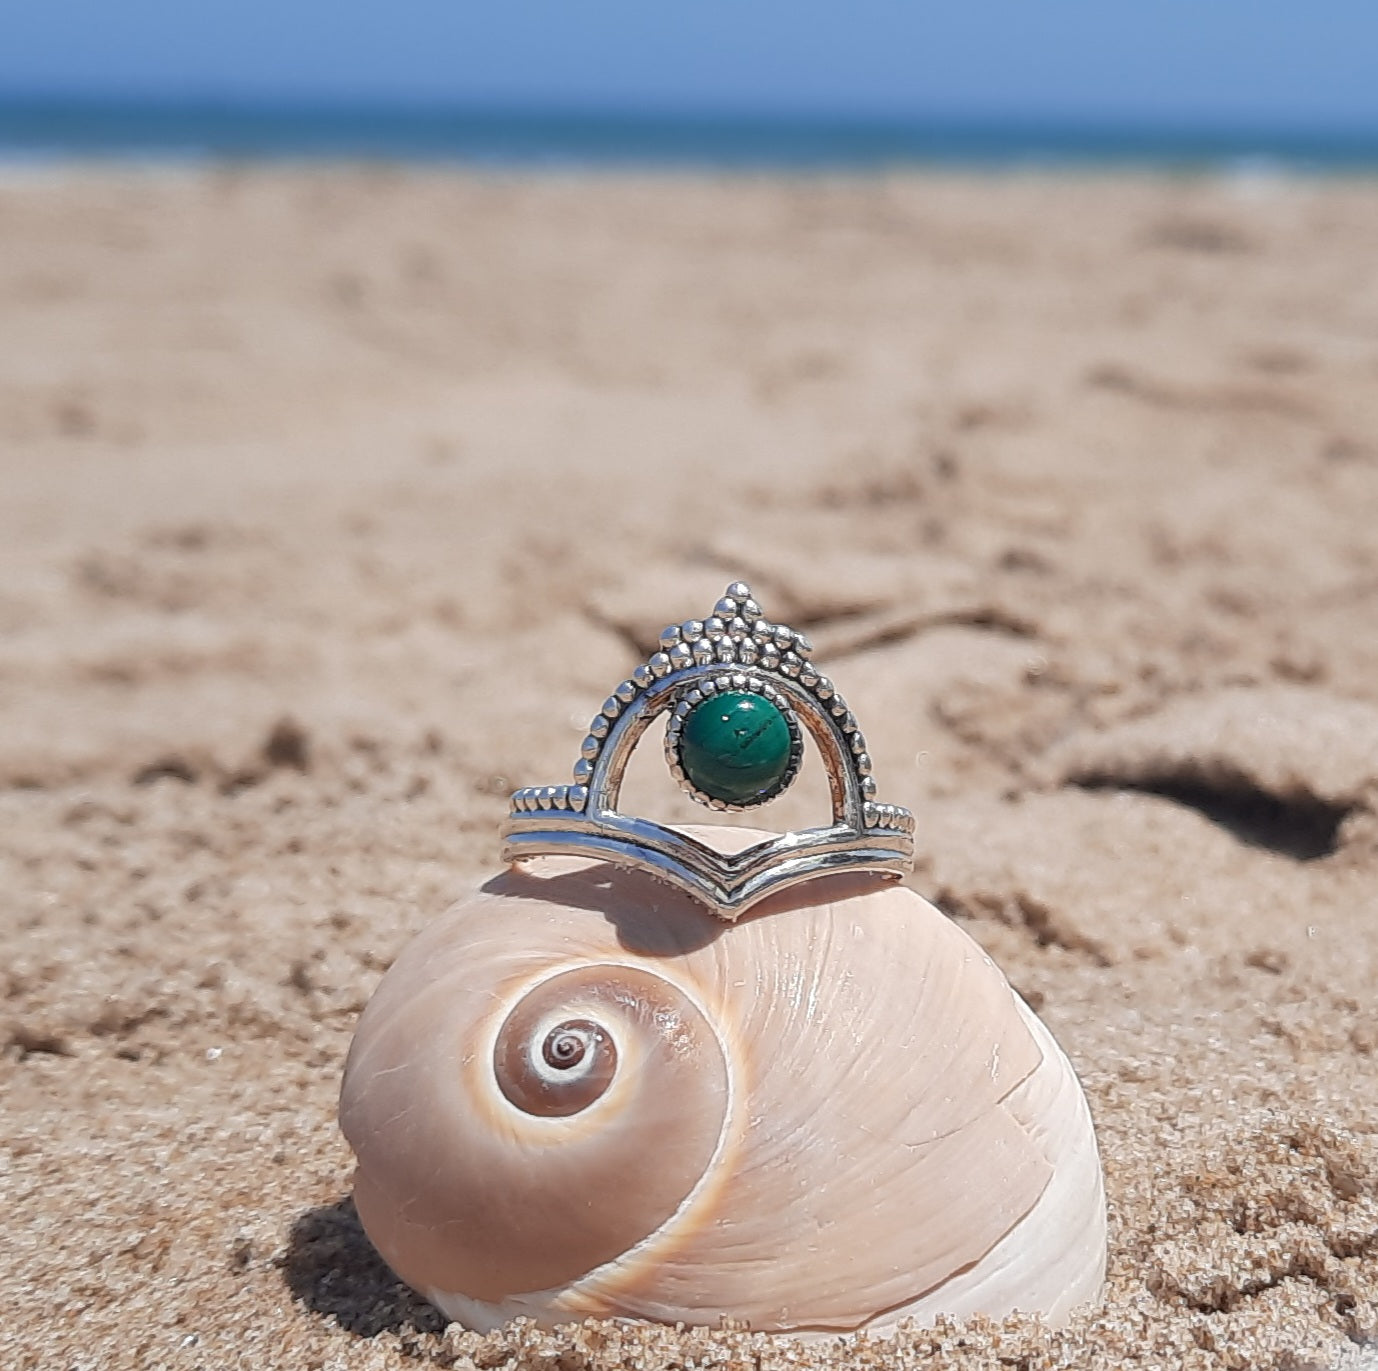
x: 333, y: 1269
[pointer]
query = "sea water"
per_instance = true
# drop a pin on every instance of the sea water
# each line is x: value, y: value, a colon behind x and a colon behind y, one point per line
x: 56, y: 129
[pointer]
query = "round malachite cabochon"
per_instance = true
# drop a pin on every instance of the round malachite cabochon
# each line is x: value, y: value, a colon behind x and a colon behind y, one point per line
x: 735, y: 747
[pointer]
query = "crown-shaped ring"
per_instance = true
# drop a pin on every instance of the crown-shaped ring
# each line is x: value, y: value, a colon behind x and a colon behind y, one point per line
x: 740, y: 693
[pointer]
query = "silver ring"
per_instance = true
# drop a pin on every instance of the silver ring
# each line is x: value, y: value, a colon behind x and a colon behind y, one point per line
x: 741, y: 693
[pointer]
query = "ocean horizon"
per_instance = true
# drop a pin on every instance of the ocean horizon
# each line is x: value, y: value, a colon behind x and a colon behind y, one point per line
x: 54, y: 129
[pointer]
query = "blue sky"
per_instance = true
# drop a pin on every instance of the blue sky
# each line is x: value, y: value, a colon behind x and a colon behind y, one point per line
x: 1187, y: 62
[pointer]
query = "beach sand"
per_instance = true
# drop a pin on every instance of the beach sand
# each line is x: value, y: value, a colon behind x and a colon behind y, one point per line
x: 333, y: 504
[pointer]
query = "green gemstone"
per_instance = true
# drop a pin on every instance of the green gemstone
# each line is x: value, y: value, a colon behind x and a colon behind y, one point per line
x: 735, y: 747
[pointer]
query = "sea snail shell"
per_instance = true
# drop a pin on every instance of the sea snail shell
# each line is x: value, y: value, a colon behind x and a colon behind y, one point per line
x: 578, y: 1093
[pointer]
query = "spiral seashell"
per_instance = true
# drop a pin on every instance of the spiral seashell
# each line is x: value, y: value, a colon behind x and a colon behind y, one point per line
x: 579, y: 1094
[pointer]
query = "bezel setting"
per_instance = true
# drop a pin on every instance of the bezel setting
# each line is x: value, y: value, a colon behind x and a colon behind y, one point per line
x: 747, y: 683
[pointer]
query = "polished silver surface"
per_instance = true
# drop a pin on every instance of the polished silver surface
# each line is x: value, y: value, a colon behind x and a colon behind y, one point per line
x: 734, y: 648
